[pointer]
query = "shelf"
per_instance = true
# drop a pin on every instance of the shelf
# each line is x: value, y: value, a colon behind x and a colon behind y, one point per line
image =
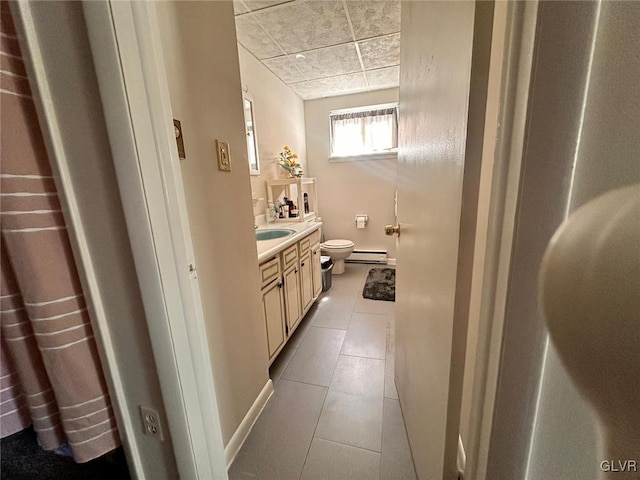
x: 294, y: 189
x: 291, y: 181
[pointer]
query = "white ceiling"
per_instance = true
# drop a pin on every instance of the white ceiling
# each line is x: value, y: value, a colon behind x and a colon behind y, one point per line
x: 349, y: 45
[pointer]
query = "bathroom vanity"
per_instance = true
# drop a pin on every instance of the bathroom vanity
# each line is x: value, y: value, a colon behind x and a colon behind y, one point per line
x: 291, y: 280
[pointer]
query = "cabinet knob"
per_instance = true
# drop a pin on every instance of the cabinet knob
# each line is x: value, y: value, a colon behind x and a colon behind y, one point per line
x: 296, y: 271
x: 302, y: 264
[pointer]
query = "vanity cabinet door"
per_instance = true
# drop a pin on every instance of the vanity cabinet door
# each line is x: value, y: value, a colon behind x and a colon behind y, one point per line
x: 274, y: 319
x: 292, y: 296
x: 316, y: 270
x: 306, y: 281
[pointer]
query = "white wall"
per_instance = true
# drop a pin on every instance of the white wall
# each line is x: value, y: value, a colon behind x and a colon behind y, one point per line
x: 279, y: 116
x: 201, y: 57
x: 346, y: 189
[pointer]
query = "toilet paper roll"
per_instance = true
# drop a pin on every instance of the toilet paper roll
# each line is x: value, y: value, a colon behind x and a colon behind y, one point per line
x: 361, y: 221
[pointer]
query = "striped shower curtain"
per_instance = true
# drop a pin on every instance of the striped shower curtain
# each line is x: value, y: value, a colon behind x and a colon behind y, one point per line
x: 51, y: 376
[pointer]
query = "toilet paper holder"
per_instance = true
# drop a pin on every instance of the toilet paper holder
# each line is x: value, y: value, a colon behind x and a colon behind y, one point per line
x: 361, y: 220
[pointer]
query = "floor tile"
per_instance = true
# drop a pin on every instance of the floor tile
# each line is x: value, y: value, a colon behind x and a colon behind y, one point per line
x: 351, y: 419
x: 316, y: 357
x: 366, y: 336
x: 279, y: 441
x: 345, y: 343
x: 280, y: 363
x: 397, y: 463
x: 378, y: 307
x: 336, y: 301
x: 359, y: 376
x: 389, y: 380
x: 330, y: 460
x: 302, y: 329
x: 332, y: 318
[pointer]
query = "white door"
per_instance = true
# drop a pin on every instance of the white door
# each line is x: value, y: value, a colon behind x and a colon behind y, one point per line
x: 434, y: 94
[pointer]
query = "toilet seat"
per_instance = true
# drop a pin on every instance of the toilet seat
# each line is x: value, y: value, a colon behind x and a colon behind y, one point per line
x: 335, y: 244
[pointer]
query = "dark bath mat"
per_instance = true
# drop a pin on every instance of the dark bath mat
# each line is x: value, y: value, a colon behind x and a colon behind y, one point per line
x: 380, y: 284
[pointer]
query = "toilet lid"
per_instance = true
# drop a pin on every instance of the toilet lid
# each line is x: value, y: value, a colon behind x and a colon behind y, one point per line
x: 338, y: 243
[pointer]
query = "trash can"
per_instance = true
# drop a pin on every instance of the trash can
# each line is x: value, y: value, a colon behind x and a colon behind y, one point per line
x: 326, y: 265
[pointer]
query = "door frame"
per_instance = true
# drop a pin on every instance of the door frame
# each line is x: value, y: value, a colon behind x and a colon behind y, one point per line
x: 126, y: 48
x: 125, y: 39
x: 513, y: 105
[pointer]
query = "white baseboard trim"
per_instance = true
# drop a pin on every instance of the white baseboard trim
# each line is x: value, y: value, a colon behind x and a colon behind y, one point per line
x: 243, y: 430
x: 462, y: 456
x: 391, y: 261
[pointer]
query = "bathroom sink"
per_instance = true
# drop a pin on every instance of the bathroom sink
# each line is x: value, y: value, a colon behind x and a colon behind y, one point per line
x: 273, y: 233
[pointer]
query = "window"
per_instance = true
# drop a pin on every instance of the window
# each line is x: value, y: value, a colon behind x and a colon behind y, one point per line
x: 371, y: 130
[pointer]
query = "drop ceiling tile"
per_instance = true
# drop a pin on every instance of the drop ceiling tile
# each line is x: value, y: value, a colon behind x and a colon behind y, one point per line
x: 284, y: 69
x: 254, y: 39
x: 380, y: 52
x: 383, y: 77
x: 374, y: 18
x: 330, y: 86
x: 329, y: 61
x: 239, y: 8
x: 306, y: 25
x: 260, y: 4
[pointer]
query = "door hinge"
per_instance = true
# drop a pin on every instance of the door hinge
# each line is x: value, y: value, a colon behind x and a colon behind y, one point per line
x: 192, y: 271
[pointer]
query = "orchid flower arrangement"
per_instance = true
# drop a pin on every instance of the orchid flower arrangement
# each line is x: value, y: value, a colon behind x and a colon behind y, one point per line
x: 289, y: 161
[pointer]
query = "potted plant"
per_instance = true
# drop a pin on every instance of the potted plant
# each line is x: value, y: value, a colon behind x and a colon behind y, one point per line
x: 289, y: 162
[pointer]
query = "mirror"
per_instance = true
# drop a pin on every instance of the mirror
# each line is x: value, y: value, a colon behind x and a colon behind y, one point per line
x: 252, y: 140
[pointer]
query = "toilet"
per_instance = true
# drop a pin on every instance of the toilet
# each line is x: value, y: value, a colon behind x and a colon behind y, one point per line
x: 338, y: 250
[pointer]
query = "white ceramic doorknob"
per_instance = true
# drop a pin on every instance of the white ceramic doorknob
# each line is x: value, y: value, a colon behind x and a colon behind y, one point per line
x: 590, y: 292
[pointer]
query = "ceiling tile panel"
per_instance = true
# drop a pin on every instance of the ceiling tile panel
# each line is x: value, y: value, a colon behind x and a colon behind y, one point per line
x: 284, y: 69
x: 380, y: 52
x: 326, y: 87
x: 260, y: 4
x: 239, y: 8
x: 383, y: 77
x: 374, y: 18
x: 329, y: 61
x: 254, y: 39
x: 306, y: 25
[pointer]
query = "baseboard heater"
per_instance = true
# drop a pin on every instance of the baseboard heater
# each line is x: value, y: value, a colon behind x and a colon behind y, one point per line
x: 368, y: 256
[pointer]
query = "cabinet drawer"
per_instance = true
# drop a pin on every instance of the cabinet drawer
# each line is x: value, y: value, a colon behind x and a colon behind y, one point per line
x: 269, y: 271
x: 307, y: 242
x: 290, y: 256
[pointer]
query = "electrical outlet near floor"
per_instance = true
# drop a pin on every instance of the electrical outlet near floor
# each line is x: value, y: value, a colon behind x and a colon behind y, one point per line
x: 151, y: 422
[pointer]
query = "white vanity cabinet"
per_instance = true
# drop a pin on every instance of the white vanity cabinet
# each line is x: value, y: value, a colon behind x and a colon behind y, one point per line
x: 291, y: 282
x: 273, y: 304
x: 291, y: 279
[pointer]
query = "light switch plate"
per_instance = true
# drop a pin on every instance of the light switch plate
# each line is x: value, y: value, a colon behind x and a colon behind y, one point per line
x: 224, y: 158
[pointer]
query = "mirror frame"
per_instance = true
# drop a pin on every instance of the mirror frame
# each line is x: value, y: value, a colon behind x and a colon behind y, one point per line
x: 254, y: 169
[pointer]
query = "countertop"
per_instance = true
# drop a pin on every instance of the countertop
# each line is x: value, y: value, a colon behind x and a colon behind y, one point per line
x: 268, y: 248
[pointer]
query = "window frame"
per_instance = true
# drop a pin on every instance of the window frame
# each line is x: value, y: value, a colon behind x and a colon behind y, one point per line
x: 391, y: 154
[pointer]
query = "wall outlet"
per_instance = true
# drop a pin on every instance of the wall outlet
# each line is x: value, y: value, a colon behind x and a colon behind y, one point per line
x: 151, y: 423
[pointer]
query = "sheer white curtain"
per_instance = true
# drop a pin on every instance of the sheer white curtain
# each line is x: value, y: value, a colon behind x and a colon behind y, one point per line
x: 363, y: 132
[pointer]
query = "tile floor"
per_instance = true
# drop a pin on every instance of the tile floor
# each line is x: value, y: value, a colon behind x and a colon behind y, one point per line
x: 335, y: 412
